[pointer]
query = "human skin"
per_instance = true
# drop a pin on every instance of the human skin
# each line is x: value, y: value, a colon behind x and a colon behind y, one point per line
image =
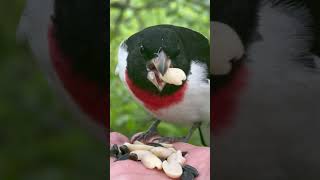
x: 198, y: 157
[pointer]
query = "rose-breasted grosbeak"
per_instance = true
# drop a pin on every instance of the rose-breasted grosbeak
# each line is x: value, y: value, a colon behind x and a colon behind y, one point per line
x: 145, y: 57
x: 265, y: 99
x: 68, y: 38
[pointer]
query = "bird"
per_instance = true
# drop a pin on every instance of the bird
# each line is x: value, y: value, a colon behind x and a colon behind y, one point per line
x: 265, y: 89
x: 69, y: 42
x: 146, y: 57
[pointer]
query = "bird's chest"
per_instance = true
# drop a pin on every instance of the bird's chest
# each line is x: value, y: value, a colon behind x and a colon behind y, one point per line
x: 184, y: 106
x: 74, y: 87
x: 182, y: 112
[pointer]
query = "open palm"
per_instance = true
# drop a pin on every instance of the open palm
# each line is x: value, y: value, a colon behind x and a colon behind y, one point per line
x: 198, y: 157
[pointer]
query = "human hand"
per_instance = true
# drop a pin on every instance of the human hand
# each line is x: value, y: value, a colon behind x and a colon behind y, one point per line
x: 198, y: 157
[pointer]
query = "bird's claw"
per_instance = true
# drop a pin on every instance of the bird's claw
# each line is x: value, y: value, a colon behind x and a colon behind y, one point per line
x: 171, y: 140
x: 144, y: 136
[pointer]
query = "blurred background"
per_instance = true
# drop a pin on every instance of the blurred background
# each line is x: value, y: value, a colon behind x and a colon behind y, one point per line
x: 128, y: 17
x: 39, y: 139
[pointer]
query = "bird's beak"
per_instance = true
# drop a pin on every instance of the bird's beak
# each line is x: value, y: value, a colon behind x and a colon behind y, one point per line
x: 156, y: 68
x: 162, y: 62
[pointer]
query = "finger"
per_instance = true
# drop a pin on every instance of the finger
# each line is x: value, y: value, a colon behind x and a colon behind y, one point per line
x: 184, y: 146
x: 117, y: 138
x: 134, y: 170
x: 199, y: 158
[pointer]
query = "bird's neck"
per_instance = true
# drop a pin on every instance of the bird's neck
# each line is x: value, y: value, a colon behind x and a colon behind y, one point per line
x: 88, y: 96
x: 153, y: 101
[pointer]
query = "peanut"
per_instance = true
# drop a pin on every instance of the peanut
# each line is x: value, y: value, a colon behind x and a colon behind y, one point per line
x: 174, y: 76
x: 161, y: 152
x: 172, y: 169
x: 151, y: 161
x: 133, y: 147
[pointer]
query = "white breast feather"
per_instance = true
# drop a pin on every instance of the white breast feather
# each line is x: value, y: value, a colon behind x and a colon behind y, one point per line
x: 122, y: 61
x: 195, y: 105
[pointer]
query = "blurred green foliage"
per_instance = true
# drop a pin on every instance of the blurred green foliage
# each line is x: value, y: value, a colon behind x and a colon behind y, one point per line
x: 39, y: 140
x: 128, y: 17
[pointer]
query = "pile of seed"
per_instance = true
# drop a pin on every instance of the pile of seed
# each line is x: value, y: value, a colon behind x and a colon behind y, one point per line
x: 156, y: 155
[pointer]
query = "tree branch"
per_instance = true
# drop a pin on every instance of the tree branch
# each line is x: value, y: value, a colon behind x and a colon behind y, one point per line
x: 123, y: 8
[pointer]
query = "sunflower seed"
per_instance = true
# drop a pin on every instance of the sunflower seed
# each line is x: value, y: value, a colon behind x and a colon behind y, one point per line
x: 114, y: 151
x: 186, y: 175
x: 133, y: 157
x: 191, y: 169
x: 184, y: 153
x: 123, y: 157
x: 124, y: 149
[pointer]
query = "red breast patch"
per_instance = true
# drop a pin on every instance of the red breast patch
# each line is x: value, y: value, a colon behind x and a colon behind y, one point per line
x: 224, y: 101
x: 153, y: 101
x: 91, y: 99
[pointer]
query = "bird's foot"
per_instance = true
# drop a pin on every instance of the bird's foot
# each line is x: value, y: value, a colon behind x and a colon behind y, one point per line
x: 149, y: 134
x: 144, y: 136
x: 171, y: 140
x: 184, y: 139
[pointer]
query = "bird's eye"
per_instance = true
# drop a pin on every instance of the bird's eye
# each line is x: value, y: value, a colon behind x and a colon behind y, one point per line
x: 142, y: 49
